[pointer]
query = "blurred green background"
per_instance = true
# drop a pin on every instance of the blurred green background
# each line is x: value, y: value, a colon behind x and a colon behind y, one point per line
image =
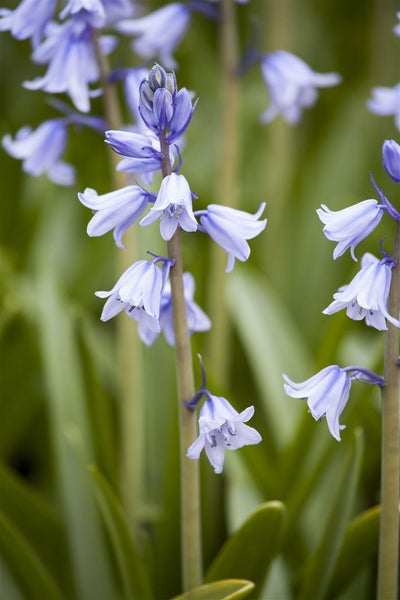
x: 59, y: 375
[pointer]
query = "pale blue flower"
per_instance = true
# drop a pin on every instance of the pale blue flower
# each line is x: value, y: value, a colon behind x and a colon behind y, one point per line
x: 159, y: 32
x: 366, y: 296
x: 173, y: 206
x: 41, y: 150
x: 385, y: 101
x: 99, y: 12
x: 292, y: 85
x: 328, y: 392
x: 28, y: 20
x: 230, y: 228
x: 138, y: 292
x: 350, y: 225
x: 72, y: 64
x: 222, y: 427
x: 141, y: 151
x: 116, y: 210
x: 197, y: 320
x: 391, y: 159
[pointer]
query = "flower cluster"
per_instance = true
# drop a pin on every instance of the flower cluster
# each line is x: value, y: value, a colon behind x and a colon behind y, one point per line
x: 144, y: 290
x: 365, y: 297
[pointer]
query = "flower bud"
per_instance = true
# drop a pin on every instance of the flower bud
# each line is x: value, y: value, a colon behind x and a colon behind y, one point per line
x: 157, y: 77
x: 391, y: 159
x: 146, y: 95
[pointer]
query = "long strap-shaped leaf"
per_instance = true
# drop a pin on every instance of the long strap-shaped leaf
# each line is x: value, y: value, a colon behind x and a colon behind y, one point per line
x: 227, y: 589
x: 321, y: 563
x: 134, y: 577
x: 29, y: 573
x: 249, y: 551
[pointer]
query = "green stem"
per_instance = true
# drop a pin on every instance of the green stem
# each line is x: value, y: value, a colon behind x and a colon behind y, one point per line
x: 190, y: 475
x: 389, y: 524
x: 227, y: 191
x: 129, y: 347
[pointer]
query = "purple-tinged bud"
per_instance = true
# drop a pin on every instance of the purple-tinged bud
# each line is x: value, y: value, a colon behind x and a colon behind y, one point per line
x: 170, y: 83
x: 146, y: 95
x: 157, y: 77
x: 163, y: 109
x: 183, y: 112
x: 391, y: 159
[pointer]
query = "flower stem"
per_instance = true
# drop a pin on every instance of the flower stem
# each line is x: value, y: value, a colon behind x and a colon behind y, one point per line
x: 227, y: 192
x: 129, y: 347
x: 190, y: 474
x: 390, y: 462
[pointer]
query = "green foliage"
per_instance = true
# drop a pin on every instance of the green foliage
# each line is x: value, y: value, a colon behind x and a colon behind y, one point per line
x: 229, y: 589
x: 299, y: 524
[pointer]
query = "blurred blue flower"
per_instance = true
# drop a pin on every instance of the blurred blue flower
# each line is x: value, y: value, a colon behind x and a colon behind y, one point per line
x: 173, y: 206
x: 366, y: 296
x: 196, y: 318
x: 328, y: 392
x: 72, y: 64
x: 28, y: 20
x: 41, y: 150
x: 138, y: 292
x: 391, y: 159
x: 396, y: 28
x: 230, y: 228
x: 291, y: 84
x: 385, y: 101
x: 99, y: 12
x: 221, y: 427
x: 350, y: 225
x: 116, y: 210
x: 159, y: 32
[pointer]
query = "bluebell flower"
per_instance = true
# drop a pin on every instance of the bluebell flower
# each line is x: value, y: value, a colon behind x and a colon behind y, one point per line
x: 366, y: 296
x: 141, y: 152
x: 72, y: 64
x: 222, y: 427
x: 138, y: 292
x: 116, y: 210
x: 328, y: 392
x: 196, y: 318
x: 99, y: 13
x: 292, y: 85
x: 391, y: 159
x: 173, y: 206
x: 350, y: 225
x: 230, y: 228
x: 385, y: 101
x: 159, y: 32
x: 28, y: 20
x: 41, y: 150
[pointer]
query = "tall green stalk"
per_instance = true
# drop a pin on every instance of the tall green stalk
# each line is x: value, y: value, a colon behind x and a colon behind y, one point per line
x: 227, y: 190
x: 129, y: 346
x: 190, y: 472
x: 388, y: 567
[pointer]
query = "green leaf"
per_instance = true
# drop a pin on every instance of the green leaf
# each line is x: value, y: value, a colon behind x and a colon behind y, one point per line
x: 28, y: 571
x: 271, y: 340
x: 229, y: 589
x: 38, y: 522
x: 248, y: 552
x: 134, y: 577
x: 360, y: 545
x: 320, y: 566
